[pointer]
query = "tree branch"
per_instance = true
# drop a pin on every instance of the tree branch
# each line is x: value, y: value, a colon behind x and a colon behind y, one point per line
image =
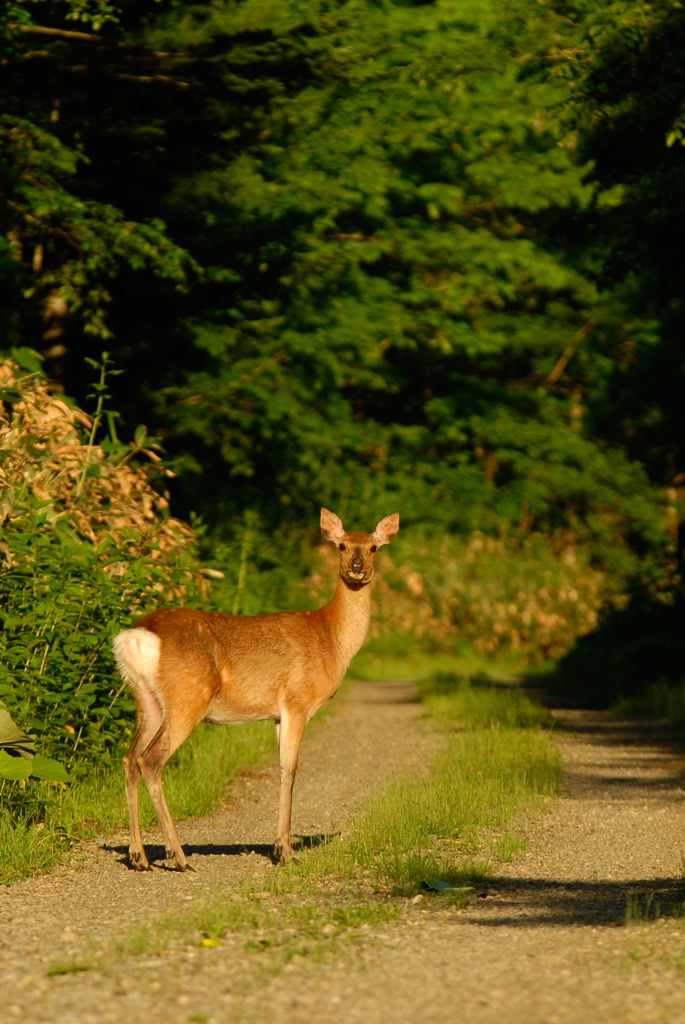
x: 566, y: 355
x: 61, y: 33
x: 88, y: 37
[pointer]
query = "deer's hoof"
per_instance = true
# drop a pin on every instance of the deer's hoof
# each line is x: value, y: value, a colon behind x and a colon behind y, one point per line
x: 282, y: 854
x: 178, y: 862
x: 139, y: 861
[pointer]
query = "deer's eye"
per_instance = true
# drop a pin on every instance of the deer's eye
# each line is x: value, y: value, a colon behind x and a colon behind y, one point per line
x: 373, y: 549
x: 342, y: 547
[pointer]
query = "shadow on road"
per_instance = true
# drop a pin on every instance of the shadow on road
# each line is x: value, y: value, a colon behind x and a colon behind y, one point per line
x: 157, y: 854
x: 542, y: 901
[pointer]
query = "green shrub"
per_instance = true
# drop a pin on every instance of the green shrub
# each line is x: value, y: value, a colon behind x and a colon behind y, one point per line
x: 85, y: 545
x: 61, y: 608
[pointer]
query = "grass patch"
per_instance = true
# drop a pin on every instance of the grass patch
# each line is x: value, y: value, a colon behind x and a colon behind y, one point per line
x: 453, y: 825
x: 406, y: 660
x: 451, y: 699
x: 664, y: 699
x: 278, y: 923
x: 457, y: 822
x: 642, y: 907
x: 40, y: 830
x: 69, y: 967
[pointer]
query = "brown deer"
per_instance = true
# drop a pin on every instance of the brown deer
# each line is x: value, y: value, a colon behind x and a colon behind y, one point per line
x: 186, y: 666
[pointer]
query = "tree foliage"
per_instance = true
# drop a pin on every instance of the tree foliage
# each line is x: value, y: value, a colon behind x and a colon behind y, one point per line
x: 629, y: 108
x: 370, y: 254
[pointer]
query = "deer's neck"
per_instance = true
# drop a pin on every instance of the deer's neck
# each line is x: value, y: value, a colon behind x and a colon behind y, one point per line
x: 348, y: 616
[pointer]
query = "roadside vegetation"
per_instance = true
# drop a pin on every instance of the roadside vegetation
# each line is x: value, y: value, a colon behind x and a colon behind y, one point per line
x: 87, y: 544
x: 41, y: 823
x: 447, y: 830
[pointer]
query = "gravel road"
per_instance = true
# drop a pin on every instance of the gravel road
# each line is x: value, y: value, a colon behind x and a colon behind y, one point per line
x: 545, y: 941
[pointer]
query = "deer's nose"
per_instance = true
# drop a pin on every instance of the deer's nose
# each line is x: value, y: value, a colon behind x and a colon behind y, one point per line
x: 357, y: 563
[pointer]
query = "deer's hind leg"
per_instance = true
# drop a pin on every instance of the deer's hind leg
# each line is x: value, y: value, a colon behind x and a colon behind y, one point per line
x: 161, y: 731
x: 149, y: 727
x: 151, y: 764
x: 172, y: 698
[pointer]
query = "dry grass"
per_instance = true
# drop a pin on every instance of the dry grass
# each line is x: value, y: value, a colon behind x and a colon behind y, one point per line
x: 45, y: 456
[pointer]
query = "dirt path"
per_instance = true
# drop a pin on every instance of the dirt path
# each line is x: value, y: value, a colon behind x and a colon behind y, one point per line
x: 546, y: 941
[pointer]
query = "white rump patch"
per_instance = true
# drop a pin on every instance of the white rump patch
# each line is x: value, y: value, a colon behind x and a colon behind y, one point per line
x: 137, y: 655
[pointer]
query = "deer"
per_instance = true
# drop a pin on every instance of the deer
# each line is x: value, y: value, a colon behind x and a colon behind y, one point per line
x: 185, y: 666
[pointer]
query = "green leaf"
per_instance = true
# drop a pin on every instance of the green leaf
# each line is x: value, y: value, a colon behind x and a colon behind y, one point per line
x: 49, y: 769
x: 28, y: 359
x: 13, y: 739
x: 446, y: 888
x: 141, y: 436
x: 13, y: 768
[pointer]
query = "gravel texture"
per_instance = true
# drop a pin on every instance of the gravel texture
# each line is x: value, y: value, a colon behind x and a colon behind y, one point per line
x: 545, y: 941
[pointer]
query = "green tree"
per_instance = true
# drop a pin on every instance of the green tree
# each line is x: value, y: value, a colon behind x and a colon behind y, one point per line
x: 630, y: 97
x: 394, y: 300
x: 63, y: 244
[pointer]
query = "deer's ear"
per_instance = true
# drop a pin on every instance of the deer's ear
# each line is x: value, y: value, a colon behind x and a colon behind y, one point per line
x: 387, y: 529
x: 331, y: 527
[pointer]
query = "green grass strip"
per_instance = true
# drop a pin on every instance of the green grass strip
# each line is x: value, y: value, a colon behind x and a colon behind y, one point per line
x: 449, y: 828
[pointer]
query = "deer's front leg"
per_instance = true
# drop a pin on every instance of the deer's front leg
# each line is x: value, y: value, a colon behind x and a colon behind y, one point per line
x: 289, y: 731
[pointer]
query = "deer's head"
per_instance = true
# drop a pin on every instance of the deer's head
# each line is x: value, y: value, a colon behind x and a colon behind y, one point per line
x: 358, y: 550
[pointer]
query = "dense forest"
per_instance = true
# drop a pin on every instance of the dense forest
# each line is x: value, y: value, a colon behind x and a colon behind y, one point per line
x: 378, y: 255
